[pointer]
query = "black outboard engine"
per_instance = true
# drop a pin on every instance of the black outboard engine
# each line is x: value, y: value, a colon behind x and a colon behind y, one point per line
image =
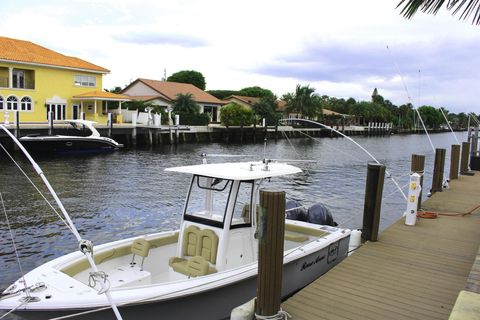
x: 319, y: 214
x: 298, y: 213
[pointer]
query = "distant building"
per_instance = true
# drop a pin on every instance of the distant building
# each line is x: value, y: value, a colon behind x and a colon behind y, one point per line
x: 243, y: 100
x: 35, y: 80
x: 164, y: 93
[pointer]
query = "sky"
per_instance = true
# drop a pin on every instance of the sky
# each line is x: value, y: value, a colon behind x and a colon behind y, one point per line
x: 341, y: 48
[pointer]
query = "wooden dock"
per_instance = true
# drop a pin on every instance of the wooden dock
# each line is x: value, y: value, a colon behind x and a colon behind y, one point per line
x: 412, y: 272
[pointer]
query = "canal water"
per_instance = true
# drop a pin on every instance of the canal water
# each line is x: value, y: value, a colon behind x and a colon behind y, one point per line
x: 127, y: 192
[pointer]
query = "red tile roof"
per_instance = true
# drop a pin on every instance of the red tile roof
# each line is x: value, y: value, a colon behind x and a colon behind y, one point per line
x: 248, y: 100
x: 170, y: 90
x: 15, y: 50
x: 102, y: 95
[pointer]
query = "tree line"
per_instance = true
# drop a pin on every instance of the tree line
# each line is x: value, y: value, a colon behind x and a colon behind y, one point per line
x: 304, y: 102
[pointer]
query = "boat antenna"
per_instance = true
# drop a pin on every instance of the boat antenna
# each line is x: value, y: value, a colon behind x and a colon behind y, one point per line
x: 351, y: 140
x: 85, y: 245
x: 410, y: 99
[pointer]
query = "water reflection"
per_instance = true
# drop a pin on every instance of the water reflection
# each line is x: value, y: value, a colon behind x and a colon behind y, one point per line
x: 125, y: 193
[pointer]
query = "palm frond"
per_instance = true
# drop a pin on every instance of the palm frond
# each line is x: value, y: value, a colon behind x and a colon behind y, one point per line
x: 466, y: 7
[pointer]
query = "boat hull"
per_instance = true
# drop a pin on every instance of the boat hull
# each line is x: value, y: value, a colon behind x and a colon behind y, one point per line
x: 218, y: 303
x: 68, y: 144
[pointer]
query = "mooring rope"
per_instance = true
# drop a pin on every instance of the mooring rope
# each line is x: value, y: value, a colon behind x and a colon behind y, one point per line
x: 354, y: 142
x: 280, y: 315
x: 34, y: 186
x: 14, y: 246
x: 13, y: 310
x: 73, y: 229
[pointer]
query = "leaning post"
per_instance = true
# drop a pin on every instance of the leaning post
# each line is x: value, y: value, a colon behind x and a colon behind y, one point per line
x: 271, y: 231
x: 418, y: 166
x: 439, y: 165
x: 454, y: 158
x: 373, y: 201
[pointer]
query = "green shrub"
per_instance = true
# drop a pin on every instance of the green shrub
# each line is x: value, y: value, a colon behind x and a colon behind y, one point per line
x: 234, y: 114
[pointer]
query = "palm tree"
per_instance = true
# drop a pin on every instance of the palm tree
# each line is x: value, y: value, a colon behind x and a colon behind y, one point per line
x: 433, y: 6
x: 184, y: 103
x: 303, y: 101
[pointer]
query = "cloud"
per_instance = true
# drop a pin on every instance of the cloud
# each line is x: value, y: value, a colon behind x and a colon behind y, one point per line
x: 150, y: 38
x: 337, y: 62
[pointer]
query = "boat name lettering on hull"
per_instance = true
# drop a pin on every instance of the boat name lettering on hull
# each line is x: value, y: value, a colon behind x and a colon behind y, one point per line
x: 306, y: 264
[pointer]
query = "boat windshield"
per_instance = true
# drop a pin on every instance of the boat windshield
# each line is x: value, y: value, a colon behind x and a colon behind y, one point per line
x: 207, y: 200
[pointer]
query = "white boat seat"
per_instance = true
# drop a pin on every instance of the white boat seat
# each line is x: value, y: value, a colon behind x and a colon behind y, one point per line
x: 140, y: 247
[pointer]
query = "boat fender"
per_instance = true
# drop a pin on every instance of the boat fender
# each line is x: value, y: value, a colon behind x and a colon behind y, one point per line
x: 319, y: 214
x: 355, y: 241
x: 295, y: 211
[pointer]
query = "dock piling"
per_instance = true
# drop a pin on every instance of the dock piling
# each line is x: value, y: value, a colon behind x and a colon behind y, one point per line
x: 465, y: 158
x: 439, y: 165
x: 50, y: 122
x: 271, y: 231
x: 454, y: 158
x: 373, y: 201
x: 16, y: 121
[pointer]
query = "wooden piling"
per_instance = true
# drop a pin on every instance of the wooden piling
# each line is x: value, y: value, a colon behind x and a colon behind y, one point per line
x: 373, y: 201
x: 16, y: 121
x: 418, y: 166
x: 254, y: 130
x: 454, y: 158
x: 439, y: 165
x: 465, y: 158
x: 276, y: 132
x: 270, y: 252
x: 50, y: 122
x: 110, y: 124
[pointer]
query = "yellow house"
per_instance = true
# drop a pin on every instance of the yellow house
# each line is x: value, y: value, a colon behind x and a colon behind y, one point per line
x: 35, y: 80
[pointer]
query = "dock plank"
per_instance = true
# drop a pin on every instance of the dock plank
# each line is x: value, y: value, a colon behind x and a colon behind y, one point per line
x: 410, y: 273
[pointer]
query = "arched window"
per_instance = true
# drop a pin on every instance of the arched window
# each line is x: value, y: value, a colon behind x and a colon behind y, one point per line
x: 12, y: 103
x: 26, y: 104
x: 1, y: 103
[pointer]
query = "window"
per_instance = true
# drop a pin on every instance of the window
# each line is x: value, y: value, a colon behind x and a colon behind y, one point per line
x: 12, y: 103
x: 1, y: 103
x: 242, y: 212
x: 85, y: 81
x: 26, y: 104
x: 58, y: 111
x: 207, y: 200
x: 23, y: 79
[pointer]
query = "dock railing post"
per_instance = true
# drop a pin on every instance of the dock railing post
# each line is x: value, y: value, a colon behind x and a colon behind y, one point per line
x: 271, y: 229
x: 373, y: 201
x: 418, y: 166
x: 454, y: 158
x: 439, y: 165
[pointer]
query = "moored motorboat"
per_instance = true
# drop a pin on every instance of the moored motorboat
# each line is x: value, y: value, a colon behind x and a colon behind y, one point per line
x: 78, y: 142
x: 201, y: 271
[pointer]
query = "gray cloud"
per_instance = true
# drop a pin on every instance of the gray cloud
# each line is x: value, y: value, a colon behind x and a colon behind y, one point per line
x: 340, y: 63
x: 150, y: 38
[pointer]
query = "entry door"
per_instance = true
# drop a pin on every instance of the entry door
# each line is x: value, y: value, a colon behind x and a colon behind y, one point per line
x: 75, y: 111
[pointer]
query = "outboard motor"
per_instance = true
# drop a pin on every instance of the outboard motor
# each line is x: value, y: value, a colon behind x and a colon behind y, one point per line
x: 319, y: 214
x: 298, y: 213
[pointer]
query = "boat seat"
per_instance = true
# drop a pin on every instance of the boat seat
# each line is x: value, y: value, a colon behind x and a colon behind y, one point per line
x: 193, y: 267
x: 140, y: 247
x: 199, y: 251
